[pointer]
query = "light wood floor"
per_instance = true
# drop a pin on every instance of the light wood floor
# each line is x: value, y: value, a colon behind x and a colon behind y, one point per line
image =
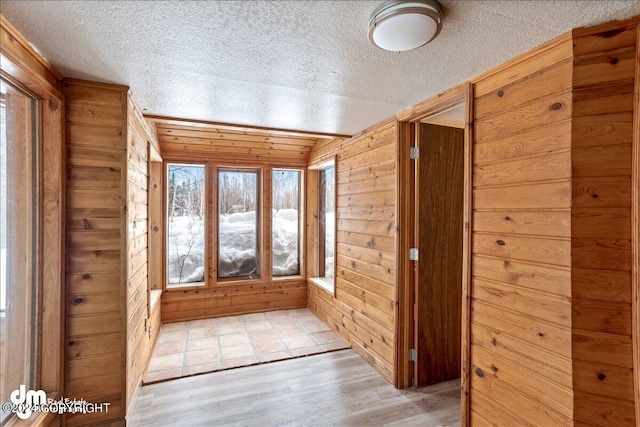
x: 337, y: 388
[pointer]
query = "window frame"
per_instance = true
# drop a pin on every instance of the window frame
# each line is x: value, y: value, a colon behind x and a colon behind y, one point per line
x: 207, y: 227
x: 329, y: 284
x: 263, y: 275
x: 301, y: 223
x: 25, y: 68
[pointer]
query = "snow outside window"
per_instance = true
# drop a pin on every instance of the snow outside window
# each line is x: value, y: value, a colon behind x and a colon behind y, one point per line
x: 285, y: 225
x: 327, y: 214
x: 186, y: 224
x: 238, y: 222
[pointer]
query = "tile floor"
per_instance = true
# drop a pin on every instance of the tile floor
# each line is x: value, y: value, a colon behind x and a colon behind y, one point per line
x: 197, y: 346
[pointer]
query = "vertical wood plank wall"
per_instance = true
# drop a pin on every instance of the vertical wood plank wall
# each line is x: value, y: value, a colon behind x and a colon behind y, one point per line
x: 108, y: 315
x: 602, y: 133
x: 521, y: 264
x: 363, y: 311
x: 96, y: 129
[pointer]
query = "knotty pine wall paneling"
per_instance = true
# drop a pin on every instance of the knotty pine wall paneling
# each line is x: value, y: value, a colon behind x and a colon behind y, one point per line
x: 521, y: 264
x: 107, y: 314
x: 604, y: 61
x: 363, y: 310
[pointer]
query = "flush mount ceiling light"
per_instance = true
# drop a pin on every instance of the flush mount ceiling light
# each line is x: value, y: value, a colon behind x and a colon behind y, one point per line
x: 399, y: 25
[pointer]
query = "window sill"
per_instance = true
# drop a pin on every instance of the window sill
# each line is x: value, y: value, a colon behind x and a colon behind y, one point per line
x: 324, y: 283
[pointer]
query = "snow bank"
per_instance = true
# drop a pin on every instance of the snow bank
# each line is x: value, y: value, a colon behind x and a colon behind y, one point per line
x: 237, y: 246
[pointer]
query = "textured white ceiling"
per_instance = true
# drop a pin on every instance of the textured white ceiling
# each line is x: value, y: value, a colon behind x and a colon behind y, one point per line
x: 304, y: 65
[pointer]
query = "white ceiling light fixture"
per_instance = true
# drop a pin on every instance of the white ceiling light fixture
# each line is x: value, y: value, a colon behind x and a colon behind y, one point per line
x: 399, y: 25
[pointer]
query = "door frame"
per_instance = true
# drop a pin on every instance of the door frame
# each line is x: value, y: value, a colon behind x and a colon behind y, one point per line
x: 406, y: 207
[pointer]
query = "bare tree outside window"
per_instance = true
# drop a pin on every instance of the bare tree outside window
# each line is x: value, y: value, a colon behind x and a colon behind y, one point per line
x: 186, y: 224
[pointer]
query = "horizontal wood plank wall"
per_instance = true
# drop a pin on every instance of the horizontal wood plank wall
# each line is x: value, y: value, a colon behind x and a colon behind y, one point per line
x: 96, y: 129
x: 363, y: 311
x: 521, y: 264
x: 602, y: 132
x: 222, y: 144
x: 140, y: 138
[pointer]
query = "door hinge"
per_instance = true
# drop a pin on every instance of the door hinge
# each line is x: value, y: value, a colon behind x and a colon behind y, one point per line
x: 414, y: 153
x: 413, y: 254
x: 413, y: 355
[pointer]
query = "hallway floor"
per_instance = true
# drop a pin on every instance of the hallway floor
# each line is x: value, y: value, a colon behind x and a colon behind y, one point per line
x: 208, y: 345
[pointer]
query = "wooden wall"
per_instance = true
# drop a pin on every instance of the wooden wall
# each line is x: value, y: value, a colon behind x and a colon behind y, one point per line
x: 108, y: 309
x: 141, y: 326
x: 96, y: 130
x: 363, y: 311
x: 215, y: 145
x: 521, y: 266
x: 601, y: 158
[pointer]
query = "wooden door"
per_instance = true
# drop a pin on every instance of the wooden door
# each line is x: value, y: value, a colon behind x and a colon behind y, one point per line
x: 439, y: 228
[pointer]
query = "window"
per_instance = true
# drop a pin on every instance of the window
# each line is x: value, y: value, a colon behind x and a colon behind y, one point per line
x: 186, y: 213
x: 238, y: 223
x: 18, y: 237
x: 326, y: 222
x: 285, y: 222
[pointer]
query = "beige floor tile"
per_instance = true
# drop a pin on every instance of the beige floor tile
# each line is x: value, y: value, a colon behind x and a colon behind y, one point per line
x: 200, y: 343
x: 163, y: 375
x: 231, y: 328
x: 237, y: 351
x: 240, y: 361
x: 334, y: 346
x: 291, y: 332
x: 233, y: 339
x: 253, y: 317
x: 169, y: 361
x: 202, y: 323
x: 278, y: 355
x: 270, y: 346
x: 278, y: 314
x: 231, y: 320
x: 198, y: 357
x: 172, y: 336
x: 169, y: 347
x: 305, y: 351
x: 284, y: 322
x: 300, y: 312
x: 298, y: 341
x: 326, y: 338
x: 202, y: 332
x: 174, y: 327
x: 312, y: 327
x: 259, y: 325
x: 205, y: 367
x: 269, y: 334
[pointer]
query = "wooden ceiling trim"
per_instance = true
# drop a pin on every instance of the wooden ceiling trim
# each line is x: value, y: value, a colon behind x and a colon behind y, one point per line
x: 240, y: 128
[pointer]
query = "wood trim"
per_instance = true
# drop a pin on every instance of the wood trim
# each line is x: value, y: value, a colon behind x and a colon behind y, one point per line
x: 467, y: 242
x: 635, y: 231
x: 403, y: 368
x: 441, y: 102
x: 244, y: 128
x: 616, y: 26
x: 19, y: 62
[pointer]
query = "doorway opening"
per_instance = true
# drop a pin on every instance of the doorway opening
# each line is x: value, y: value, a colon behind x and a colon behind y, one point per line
x: 439, y: 201
x: 435, y: 242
